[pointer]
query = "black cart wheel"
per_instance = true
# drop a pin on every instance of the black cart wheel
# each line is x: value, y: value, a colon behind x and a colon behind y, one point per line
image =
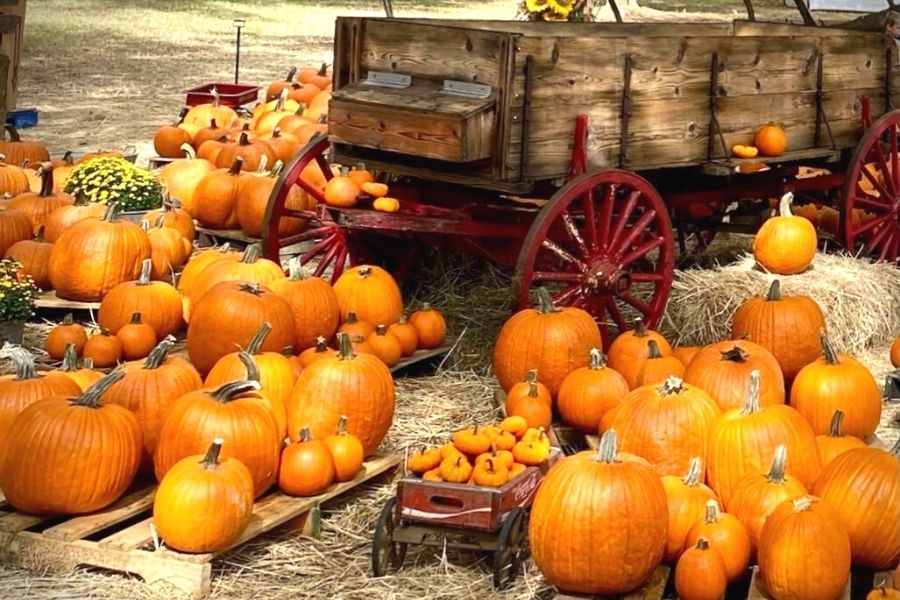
x: 385, y: 552
x: 511, y: 549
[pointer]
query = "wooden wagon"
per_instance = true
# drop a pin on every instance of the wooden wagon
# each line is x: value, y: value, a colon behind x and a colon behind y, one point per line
x: 584, y: 154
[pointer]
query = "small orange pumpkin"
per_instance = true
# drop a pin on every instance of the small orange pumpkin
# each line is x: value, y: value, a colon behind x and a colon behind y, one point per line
x: 342, y: 190
x: 771, y: 140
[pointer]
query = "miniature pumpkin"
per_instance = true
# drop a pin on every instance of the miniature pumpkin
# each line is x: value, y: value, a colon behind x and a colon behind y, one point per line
x: 567, y: 505
x: 632, y: 345
x: 158, y: 303
x: 489, y: 473
x: 744, y: 440
x: 149, y: 388
x: 686, y: 413
x: 771, y: 140
x: 742, y: 151
x: 432, y: 475
x: 883, y: 593
x: 556, y: 341
x: 723, y: 370
x: 756, y: 495
x: 216, y: 196
x: 425, y: 460
x: 727, y: 535
x: 204, y: 502
x: 65, y: 333
x: 786, y: 244
x: 121, y: 246
x: 455, y: 469
x: 360, y: 387
x: 241, y: 415
x: 655, y: 368
x: 385, y: 346
x: 371, y: 293
x: 248, y: 268
x: 182, y: 176
x: 69, y: 453
x: 687, y: 498
x: 767, y: 320
x: 231, y: 313
x: 317, y: 352
x: 794, y: 525
x: 103, y: 348
x: 307, y: 467
x: 502, y: 458
x: 863, y: 486
x: 532, y: 450
x: 515, y: 425
x: 430, y: 326
x: 408, y: 336
x: 346, y: 450
x: 137, y: 338
x: 834, y: 443
x: 342, y: 191
x: 15, y: 226
x: 39, y: 205
x: 374, y: 189
x: 386, y: 204
x: 587, y: 393
x: 701, y: 573
x: 353, y: 326
x: 837, y: 382
x: 473, y: 441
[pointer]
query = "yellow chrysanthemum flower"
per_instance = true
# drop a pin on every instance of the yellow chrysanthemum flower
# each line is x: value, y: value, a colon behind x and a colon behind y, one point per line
x: 560, y: 7
x: 536, y: 5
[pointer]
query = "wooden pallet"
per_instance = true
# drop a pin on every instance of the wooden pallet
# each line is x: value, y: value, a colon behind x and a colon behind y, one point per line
x: 49, y: 299
x: 661, y: 586
x: 120, y: 538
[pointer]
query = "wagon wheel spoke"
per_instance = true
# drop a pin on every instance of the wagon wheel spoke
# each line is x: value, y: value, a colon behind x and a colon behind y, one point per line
x: 626, y: 271
x: 879, y: 235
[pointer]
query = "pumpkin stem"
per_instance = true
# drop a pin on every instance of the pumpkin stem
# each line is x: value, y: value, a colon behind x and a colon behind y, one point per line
x: 702, y: 544
x: 24, y: 363
x: 426, y: 306
x: 160, y: 353
x: 380, y: 329
x: 69, y: 319
x: 784, y: 206
x: 135, y: 318
x: 323, y: 70
x: 598, y: 360
x: 751, y: 403
x: 774, y: 291
x: 712, y: 511
x: 692, y: 478
x: 249, y: 364
x: 345, y: 349
x: 608, y: 447
x: 259, y: 337
x: 640, y: 329
x: 46, y: 180
x: 112, y: 212
x: 189, y: 152
x: 238, y: 163
x: 653, y: 349
x: 87, y: 363
x: 68, y: 159
x: 146, y: 268
x: 802, y: 503
x: 545, y: 302
x: 290, y: 74
x: 351, y: 318
x: 263, y: 163
x: 252, y: 253
x: 70, y: 359
x: 296, y: 272
x: 736, y: 354
x: 91, y: 396
x: 672, y: 385
x: 342, y: 425
x: 181, y: 116
x: 287, y: 351
x: 836, y: 429
x: 228, y: 391
x: 828, y: 351
x: 215, y: 96
x: 211, y: 460
x: 13, y: 133
x: 776, y: 473
x: 321, y: 344
x: 305, y: 435
x: 364, y: 272
x: 282, y: 97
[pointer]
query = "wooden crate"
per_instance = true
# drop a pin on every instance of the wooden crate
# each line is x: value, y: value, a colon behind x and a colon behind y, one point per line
x: 12, y: 29
x: 120, y: 538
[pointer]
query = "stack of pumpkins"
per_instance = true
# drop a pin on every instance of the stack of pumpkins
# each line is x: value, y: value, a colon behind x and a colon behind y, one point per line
x: 713, y: 463
x: 257, y: 372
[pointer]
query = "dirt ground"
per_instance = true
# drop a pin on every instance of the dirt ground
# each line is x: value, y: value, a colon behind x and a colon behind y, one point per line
x: 105, y: 74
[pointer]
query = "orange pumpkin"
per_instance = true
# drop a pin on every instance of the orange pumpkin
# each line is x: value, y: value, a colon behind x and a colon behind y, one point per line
x: 34, y: 256
x: 385, y: 346
x: 655, y: 368
x: 701, y: 573
x: 834, y: 443
x: 726, y: 534
x: 430, y: 327
x: 181, y: 177
x: 587, y: 393
x: 346, y: 450
x: 315, y: 305
x: 247, y: 267
x: 530, y: 400
x: 157, y: 302
x: 62, y: 335
x: 685, y: 353
x: 39, y: 205
x: 771, y: 140
x: 371, y: 293
x: 786, y: 244
x: 407, y: 334
x: 307, y: 467
x: 215, y: 196
x: 342, y: 191
x: 632, y: 345
x: 687, y: 500
x: 723, y: 370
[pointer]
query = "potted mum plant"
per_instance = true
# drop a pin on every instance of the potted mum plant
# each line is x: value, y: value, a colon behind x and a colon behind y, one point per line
x: 17, y: 295
x: 109, y: 179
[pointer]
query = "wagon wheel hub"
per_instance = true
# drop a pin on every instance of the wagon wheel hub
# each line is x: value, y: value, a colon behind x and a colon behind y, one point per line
x: 607, y: 276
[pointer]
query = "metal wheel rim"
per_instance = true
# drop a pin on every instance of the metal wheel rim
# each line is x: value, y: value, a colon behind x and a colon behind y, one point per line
x: 509, y: 553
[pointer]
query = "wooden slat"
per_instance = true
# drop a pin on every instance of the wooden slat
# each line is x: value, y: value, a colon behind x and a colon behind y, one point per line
x: 419, y: 356
x: 130, y: 538
x: 605, y: 29
x: 15, y: 522
x: 772, y: 29
x: 128, y: 506
x: 49, y: 299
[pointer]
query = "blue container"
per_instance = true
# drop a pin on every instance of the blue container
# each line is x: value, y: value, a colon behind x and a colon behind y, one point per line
x: 22, y: 118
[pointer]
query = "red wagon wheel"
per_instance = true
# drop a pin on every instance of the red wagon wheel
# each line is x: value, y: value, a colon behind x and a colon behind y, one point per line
x: 603, y: 243
x: 325, y: 242
x: 871, y: 215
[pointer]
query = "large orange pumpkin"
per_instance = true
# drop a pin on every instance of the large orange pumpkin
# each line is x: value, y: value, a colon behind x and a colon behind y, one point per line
x: 13, y: 180
x: 38, y: 206
x: 837, y: 382
x: 834, y: 443
x: 723, y: 370
x: 229, y: 315
x: 687, y: 499
x: 599, y: 496
x: 786, y: 244
x: 371, y: 293
x: 359, y: 386
x: 70, y: 454
x: 239, y: 414
x: 315, y: 305
x: 199, y: 261
x: 215, y: 197
x: 34, y: 256
x: 788, y: 326
x: 249, y: 268
x: 181, y: 177
x: 254, y: 152
x: 65, y: 216
x: 587, y: 393
x: 253, y: 198
x: 685, y: 413
x: 632, y: 345
x: 15, y: 226
x: 202, y: 114
x: 555, y: 341
x: 157, y: 301
x: 744, y: 440
x: 93, y: 256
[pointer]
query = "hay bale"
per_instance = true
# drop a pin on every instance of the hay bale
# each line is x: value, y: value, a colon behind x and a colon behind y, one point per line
x: 860, y: 299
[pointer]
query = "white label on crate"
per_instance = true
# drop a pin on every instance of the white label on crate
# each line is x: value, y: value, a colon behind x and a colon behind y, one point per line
x: 412, y: 512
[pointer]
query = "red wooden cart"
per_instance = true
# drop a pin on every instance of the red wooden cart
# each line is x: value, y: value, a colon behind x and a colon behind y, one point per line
x: 584, y: 154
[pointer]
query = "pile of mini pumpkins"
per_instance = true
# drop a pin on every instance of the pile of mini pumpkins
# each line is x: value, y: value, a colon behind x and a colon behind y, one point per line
x: 486, y: 456
x: 257, y: 370
x: 769, y: 140
x: 746, y: 449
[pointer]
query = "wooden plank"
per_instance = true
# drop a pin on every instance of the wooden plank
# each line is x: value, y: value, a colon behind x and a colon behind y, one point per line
x: 235, y: 235
x: 557, y: 29
x: 775, y: 29
x: 652, y: 590
x: 16, y: 522
x: 128, y: 506
x: 49, y: 299
x: 729, y: 166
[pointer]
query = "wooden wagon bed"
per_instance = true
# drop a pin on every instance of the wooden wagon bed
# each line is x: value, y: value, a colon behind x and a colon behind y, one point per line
x: 656, y: 95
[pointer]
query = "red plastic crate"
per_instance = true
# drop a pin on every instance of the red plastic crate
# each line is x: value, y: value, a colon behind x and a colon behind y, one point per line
x: 229, y: 94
